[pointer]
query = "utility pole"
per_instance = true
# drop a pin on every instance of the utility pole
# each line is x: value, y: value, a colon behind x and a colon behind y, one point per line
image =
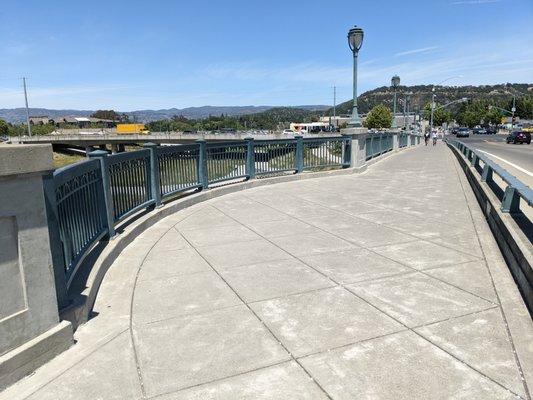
x: 27, y: 110
x: 335, y: 106
x: 513, y: 111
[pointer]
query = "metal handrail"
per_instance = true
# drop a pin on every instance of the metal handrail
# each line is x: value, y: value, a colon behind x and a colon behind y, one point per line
x: 515, y: 189
x: 88, y: 200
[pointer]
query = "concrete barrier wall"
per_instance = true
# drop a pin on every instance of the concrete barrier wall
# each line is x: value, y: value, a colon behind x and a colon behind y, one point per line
x: 514, y: 244
x: 30, y: 331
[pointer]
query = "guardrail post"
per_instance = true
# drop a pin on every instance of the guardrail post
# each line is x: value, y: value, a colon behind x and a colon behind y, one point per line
x: 486, y: 175
x: 155, y: 182
x: 202, y: 164
x: 56, y: 247
x: 250, y: 158
x: 475, y: 160
x: 299, y: 156
x: 108, y: 197
x: 511, y: 200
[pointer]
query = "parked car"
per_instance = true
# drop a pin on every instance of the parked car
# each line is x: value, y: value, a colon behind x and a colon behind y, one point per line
x: 454, y: 131
x: 519, y: 137
x: 288, y: 131
x: 463, y: 132
x: 491, y: 130
x: 479, y: 131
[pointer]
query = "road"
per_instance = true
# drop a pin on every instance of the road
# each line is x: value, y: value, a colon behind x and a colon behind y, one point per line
x: 517, y: 159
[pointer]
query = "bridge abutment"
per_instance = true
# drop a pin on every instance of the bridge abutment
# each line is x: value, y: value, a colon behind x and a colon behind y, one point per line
x: 30, y: 330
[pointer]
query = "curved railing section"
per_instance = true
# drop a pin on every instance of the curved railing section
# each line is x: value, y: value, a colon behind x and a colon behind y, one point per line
x: 87, y: 200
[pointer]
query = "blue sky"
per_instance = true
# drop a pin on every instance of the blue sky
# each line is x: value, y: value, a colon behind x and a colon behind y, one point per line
x: 131, y: 55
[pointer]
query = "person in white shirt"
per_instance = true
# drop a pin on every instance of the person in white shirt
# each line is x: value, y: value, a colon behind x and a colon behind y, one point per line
x: 434, y: 137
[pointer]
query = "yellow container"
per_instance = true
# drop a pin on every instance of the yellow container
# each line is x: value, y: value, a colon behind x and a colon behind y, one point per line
x: 131, y: 129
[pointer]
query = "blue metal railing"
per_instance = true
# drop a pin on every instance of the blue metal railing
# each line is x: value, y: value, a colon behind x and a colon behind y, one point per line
x: 378, y: 144
x: 86, y: 201
x: 76, y: 212
x: 515, y: 190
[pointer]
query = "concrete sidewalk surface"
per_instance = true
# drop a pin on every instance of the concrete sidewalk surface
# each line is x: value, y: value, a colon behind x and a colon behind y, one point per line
x: 381, y: 285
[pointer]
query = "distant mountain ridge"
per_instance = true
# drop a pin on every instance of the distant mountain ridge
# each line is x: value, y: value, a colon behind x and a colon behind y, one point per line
x: 421, y: 95
x: 18, y: 115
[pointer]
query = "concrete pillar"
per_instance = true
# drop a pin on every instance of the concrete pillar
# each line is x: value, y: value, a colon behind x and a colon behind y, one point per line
x: 121, y: 148
x: 395, y: 141
x: 30, y: 330
x: 359, y: 135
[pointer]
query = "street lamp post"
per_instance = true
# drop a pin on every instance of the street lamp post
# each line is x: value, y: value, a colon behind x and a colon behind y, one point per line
x: 408, y: 105
x: 355, y: 40
x: 432, y: 110
x: 433, y: 99
x: 404, y: 110
x: 395, y: 82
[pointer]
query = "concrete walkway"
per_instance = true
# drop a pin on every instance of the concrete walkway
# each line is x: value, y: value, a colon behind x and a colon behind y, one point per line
x: 383, y: 285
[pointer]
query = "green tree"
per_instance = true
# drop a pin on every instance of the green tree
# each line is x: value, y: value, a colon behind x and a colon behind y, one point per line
x: 524, y: 107
x: 378, y: 118
x: 4, y: 128
x: 440, y: 115
x: 493, y: 116
x: 107, y: 114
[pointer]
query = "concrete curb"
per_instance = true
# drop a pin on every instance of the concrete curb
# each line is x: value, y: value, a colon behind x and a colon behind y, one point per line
x: 26, y: 358
x: 102, y: 256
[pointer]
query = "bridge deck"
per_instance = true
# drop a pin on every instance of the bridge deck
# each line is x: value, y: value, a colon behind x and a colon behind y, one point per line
x: 384, y: 285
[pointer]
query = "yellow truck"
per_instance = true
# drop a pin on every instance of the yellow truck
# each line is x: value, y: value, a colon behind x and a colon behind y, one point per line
x: 132, y: 129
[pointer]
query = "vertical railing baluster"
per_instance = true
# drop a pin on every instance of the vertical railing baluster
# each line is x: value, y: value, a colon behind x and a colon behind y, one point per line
x: 250, y: 158
x: 202, y: 164
x: 108, y: 200
x: 153, y: 171
x: 299, y: 156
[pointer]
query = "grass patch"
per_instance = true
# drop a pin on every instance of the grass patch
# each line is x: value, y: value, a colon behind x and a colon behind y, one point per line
x: 60, y: 159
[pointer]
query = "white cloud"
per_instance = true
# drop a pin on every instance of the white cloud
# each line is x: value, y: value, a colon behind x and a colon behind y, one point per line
x: 416, y: 51
x: 455, y: 3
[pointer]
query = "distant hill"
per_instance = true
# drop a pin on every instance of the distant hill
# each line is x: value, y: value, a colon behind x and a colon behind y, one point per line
x: 18, y: 115
x: 422, y: 95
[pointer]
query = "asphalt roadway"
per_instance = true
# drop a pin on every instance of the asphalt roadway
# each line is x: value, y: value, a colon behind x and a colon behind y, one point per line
x: 517, y: 159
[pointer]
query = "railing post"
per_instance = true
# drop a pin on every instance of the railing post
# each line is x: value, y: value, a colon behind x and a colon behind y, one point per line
x: 486, y: 175
x: 299, y: 157
x: 155, y: 182
x: 202, y: 164
x: 474, y: 160
x: 56, y: 247
x: 347, y: 144
x: 108, y: 197
x: 511, y: 200
x: 250, y: 158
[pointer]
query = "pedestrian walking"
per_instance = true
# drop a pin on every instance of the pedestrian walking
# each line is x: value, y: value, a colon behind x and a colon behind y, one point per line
x: 426, y: 138
x: 434, y: 137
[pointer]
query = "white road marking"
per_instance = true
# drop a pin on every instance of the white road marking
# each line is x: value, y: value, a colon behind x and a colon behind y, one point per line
x: 525, y: 171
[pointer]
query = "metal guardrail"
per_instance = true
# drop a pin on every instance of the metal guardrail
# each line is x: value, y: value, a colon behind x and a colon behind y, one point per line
x: 380, y: 143
x: 515, y: 189
x: 87, y: 200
